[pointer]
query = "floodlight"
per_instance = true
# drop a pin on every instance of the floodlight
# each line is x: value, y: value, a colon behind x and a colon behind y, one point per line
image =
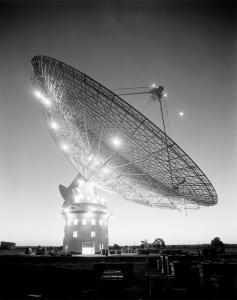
x: 41, y: 97
x: 38, y: 94
x: 116, y: 141
x: 46, y: 101
x: 65, y: 147
x: 54, y: 125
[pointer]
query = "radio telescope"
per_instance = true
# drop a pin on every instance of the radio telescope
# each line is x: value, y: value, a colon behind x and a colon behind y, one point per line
x: 114, y: 146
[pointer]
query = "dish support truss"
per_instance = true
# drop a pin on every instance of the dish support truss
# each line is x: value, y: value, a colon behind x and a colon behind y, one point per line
x: 147, y: 167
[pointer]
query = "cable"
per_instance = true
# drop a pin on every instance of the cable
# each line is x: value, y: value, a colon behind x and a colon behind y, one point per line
x: 131, y: 88
x: 168, y: 118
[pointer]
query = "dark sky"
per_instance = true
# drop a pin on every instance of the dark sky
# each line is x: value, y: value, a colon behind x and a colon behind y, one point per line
x: 187, y: 46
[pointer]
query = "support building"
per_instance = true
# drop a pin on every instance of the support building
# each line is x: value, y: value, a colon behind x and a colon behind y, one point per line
x: 86, y: 218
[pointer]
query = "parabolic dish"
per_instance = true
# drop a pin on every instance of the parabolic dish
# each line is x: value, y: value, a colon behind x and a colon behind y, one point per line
x: 112, y: 144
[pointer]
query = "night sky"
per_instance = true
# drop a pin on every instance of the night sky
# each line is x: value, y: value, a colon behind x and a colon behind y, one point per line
x: 188, y: 47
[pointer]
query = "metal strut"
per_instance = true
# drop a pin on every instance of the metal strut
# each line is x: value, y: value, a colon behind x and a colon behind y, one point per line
x: 156, y: 93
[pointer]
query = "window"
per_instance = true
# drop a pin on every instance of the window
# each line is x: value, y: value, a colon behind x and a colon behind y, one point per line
x: 83, y: 221
x: 92, y: 234
x: 75, y: 221
x: 74, y: 234
x: 93, y: 221
x: 68, y: 223
x: 101, y: 222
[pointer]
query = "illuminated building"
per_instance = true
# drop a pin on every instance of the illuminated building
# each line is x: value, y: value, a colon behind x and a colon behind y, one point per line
x: 86, y: 218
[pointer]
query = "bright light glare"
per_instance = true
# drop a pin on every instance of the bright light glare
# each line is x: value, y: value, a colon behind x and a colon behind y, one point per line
x: 67, y: 209
x: 65, y: 147
x: 54, y: 125
x: 116, y: 142
x: 165, y: 95
x: 90, y: 157
x: 106, y: 170
x: 38, y: 94
x: 181, y: 113
x: 41, y: 97
x: 153, y: 85
x: 46, y: 101
x: 81, y: 182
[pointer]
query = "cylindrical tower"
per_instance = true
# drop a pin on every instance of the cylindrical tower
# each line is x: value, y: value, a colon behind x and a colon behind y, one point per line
x: 86, y: 228
x: 86, y: 219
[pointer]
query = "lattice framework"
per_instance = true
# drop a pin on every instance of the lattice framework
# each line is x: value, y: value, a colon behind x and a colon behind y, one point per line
x: 148, y: 168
